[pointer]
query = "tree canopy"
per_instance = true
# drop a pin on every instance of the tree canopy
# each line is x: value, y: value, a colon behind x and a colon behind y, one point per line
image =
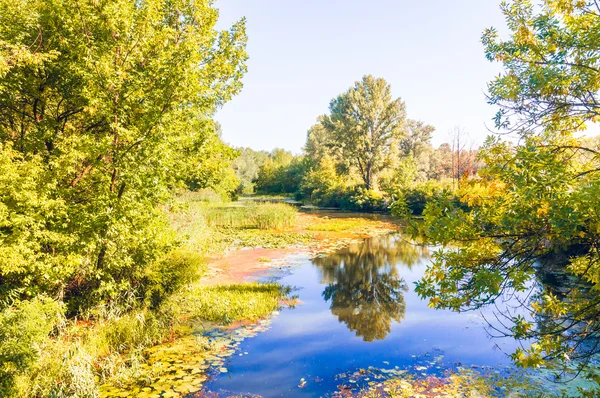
x: 535, y: 206
x: 364, y: 122
x: 104, y: 108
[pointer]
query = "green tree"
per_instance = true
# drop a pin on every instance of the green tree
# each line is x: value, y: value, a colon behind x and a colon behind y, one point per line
x: 365, y: 124
x: 282, y: 172
x: 551, y: 66
x: 246, y: 167
x: 417, y: 139
x: 537, y: 202
x: 104, y: 107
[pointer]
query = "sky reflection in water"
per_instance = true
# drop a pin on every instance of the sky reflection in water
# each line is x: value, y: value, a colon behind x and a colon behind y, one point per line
x: 359, y: 310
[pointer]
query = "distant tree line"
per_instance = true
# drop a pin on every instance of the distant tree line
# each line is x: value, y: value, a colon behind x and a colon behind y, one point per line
x: 363, y: 155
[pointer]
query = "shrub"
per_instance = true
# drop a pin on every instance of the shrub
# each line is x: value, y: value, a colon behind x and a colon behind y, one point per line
x: 352, y: 198
x: 412, y: 201
x: 368, y: 200
x: 166, y: 276
x: 23, y: 328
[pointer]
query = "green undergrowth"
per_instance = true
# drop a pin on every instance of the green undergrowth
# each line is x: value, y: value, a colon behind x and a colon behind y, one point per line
x: 212, y: 228
x: 80, y: 357
x: 229, y: 303
x: 116, y: 350
x: 109, y: 350
x: 354, y: 225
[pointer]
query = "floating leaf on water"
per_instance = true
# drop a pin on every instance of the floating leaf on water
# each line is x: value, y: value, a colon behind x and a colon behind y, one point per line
x: 223, y: 370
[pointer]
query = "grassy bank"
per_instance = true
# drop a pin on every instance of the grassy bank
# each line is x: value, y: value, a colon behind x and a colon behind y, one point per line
x: 154, y: 347
x: 112, y: 356
x: 211, y: 227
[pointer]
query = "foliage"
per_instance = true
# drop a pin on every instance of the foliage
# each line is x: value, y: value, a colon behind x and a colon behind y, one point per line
x: 537, y: 201
x: 536, y: 204
x: 368, y: 200
x: 321, y: 180
x: 246, y: 167
x: 101, y: 114
x: 212, y: 166
x: 403, y: 177
x: 24, y: 327
x: 364, y: 124
x: 551, y: 63
x: 281, y: 173
x: 412, y: 201
x: 418, y: 138
x: 115, y: 349
x: 395, y: 153
x: 179, y: 268
x: 261, y: 216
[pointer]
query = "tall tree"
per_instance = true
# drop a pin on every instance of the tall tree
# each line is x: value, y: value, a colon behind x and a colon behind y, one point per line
x: 104, y: 106
x: 418, y: 138
x: 366, y: 124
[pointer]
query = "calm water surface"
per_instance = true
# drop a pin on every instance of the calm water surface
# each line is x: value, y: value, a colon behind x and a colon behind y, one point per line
x: 359, y: 309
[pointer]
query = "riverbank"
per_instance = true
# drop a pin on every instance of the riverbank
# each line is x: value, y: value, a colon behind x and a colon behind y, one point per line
x: 313, y: 234
x: 195, y: 338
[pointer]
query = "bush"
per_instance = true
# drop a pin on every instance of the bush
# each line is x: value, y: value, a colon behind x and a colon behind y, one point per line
x: 166, y: 276
x: 413, y: 200
x: 352, y: 198
x: 23, y: 328
x: 368, y: 200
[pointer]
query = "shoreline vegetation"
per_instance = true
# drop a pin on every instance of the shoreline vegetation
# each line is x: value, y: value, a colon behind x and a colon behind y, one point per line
x: 114, y: 259
x: 124, y: 354
x: 170, y: 350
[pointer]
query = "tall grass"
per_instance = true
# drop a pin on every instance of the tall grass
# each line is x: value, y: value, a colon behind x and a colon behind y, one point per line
x: 229, y: 303
x: 259, y: 216
x: 83, y: 356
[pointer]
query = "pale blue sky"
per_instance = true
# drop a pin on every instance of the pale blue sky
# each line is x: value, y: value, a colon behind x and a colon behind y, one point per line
x: 305, y: 52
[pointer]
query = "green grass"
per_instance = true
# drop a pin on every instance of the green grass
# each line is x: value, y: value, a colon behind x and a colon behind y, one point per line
x: 212, y: 229
x: 352, y: 225
x: 114, y: 350
x: 260, y: 216
x: 230, y: 303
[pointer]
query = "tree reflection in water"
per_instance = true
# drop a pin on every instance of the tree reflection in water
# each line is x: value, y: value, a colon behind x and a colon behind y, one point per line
x: 364, y: 287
